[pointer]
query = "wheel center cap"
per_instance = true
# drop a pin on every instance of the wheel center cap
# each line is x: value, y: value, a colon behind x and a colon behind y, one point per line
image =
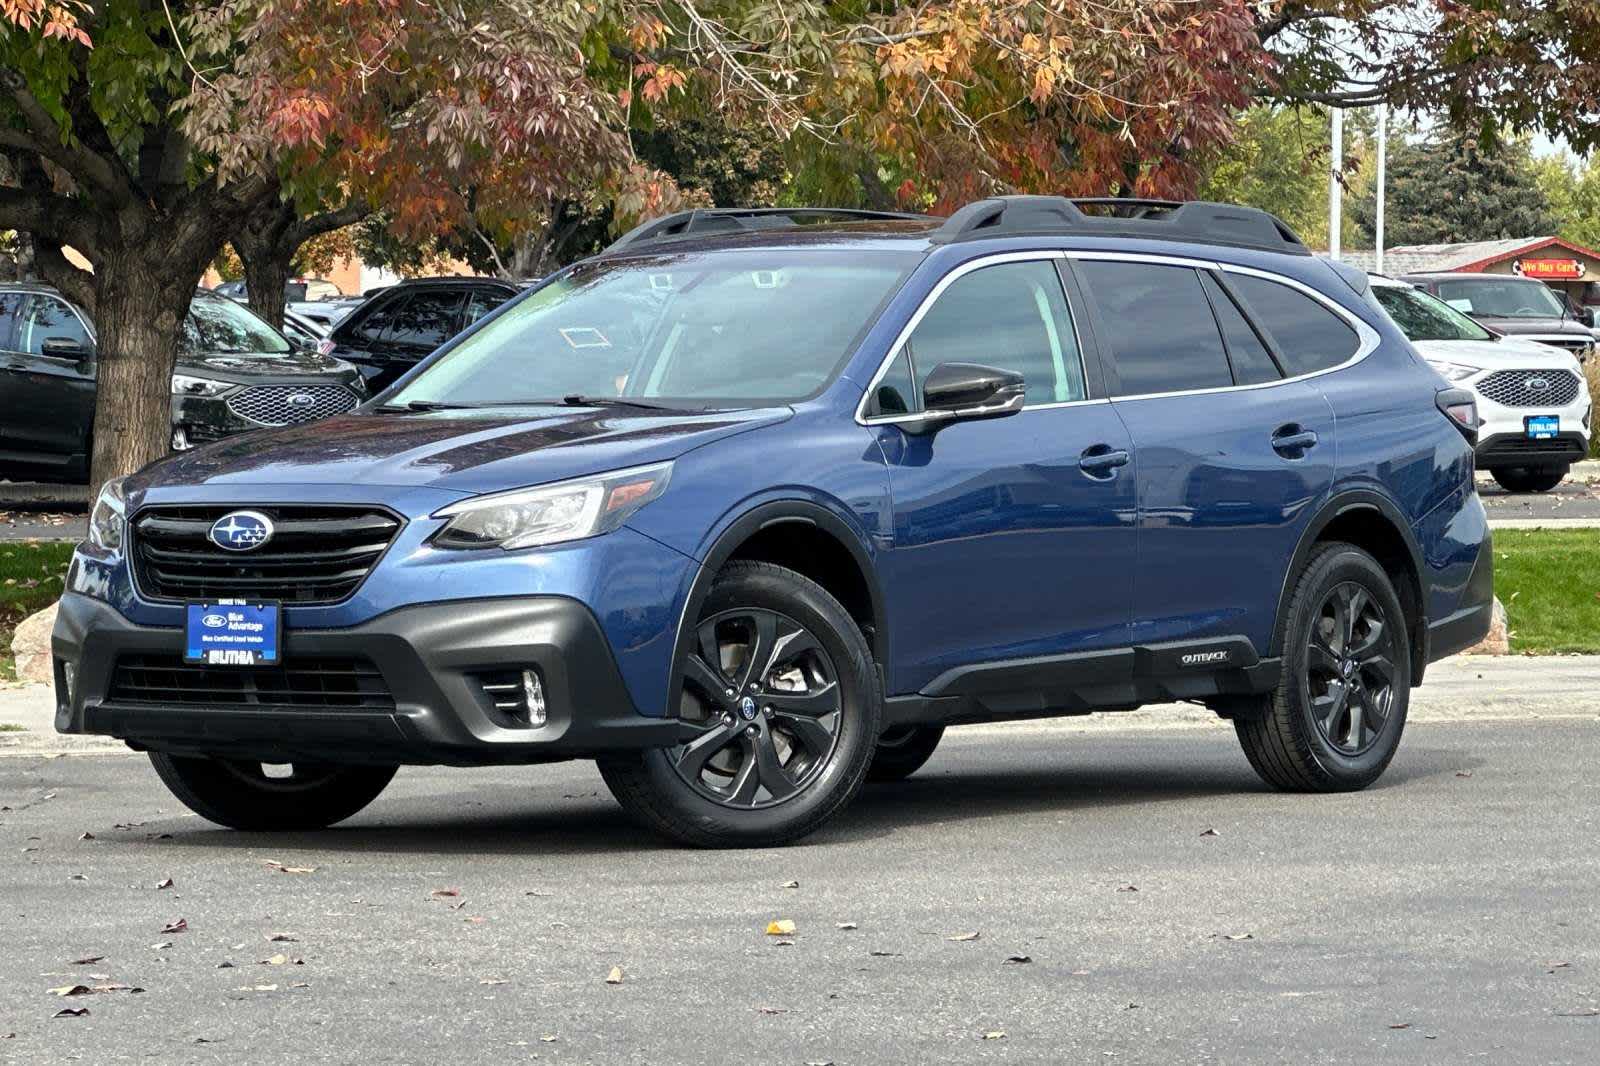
x: 1347, y: 668
x: 747, y: 709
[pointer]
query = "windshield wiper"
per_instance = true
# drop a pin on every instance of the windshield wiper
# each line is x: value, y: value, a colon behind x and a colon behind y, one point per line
x: 580, y: 400
x: 426, y: 405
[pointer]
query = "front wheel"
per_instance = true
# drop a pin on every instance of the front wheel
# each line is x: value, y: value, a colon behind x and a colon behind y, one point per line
x: 1335, y: 719
x: 780, y: 689
x: 1530, y: 478
x: 262, y: 797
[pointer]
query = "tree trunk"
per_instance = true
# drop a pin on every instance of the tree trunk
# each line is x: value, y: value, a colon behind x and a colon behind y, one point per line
x: 267, y: 269
x: 139, y: 306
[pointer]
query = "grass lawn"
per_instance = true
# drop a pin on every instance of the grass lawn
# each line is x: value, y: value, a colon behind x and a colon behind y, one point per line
x: 1549, y: 580
x: 31, y: 576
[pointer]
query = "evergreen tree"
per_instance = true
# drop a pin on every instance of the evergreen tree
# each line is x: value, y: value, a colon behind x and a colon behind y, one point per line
x: 1447, y: 192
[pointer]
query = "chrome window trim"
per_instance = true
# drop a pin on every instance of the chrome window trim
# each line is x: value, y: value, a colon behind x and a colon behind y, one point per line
x: 1368, y: 338
x: 1050, y: 255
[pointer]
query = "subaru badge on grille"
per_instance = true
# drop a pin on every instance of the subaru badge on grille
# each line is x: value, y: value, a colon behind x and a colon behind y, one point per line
x: 241, y: 531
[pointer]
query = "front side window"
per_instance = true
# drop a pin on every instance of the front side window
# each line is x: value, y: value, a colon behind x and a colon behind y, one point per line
x: 219, y: 326
x: 10, y: 305
x: 49, y: 318
x: 1308, y: 335
x: 1425, y: 318
x: 480, y: 302
x: 426, y: 320
x: 684, y: 330
x: 1162, y: 334
x: 1501, y: 297
x: 1012, y: 316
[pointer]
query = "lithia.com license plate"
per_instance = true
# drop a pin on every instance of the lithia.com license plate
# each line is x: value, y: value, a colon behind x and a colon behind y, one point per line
x: 232, y: 633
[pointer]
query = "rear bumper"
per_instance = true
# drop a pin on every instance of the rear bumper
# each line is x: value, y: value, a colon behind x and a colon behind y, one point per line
x: 1470, y: 622
x: 428, y: 657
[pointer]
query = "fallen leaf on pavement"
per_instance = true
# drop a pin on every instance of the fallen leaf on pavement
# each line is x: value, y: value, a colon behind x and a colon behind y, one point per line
x: 1210, y: 833
x: 282, y: 960
x: 71, y: 1012
x: 1463, y: 773
x: 282, y: 938
x: 780, y: 927
x: 1581, y: 1012
x: 445, y: 893
x: 1235, y: 936
x: 884, y: 954
x: 783, y: 943
x: 962, y: 938
x: 1019, y: 958
x: 492, y: 981
x: 1401, y: 1025
x: 86, y: 836
x: 791, y: 884
x: 179, y: 926
x: 165, y: 882
x: 70, y: 990
x: 995, y: 1034
x: 274, y: 864
x: 548, y: 1038
x: 846, y: 925
x: 615, y: 976
x: 163, y: 946
x: 88, y: 960
x: 1128, y: 888
x: 774, y: 1010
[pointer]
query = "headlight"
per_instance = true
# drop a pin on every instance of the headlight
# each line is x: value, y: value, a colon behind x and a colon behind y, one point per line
x: 550, y: 514
x: 106, y: 521
x: 1453, y: 371
x: 184, y: 385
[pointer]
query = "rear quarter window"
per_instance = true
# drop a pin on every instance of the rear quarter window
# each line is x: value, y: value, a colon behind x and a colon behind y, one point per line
x: 1308, y: 335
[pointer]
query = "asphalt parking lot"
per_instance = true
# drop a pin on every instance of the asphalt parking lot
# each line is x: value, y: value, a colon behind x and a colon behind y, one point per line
x: 1171, y: 910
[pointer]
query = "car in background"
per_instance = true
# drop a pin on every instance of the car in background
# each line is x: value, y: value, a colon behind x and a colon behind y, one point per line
x: 395, y: 330
x: 1534, y: 408
x: 304, y: 332
x: 234, y: 373
x: 1518, y: 307
x: 295, y: 290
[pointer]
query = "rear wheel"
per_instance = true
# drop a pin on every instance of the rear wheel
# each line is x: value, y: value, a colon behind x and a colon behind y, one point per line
x: 270, y: 797
x: 902, y: 751
x: 1530, y: 478
x: 1335, y: 719
x: 780, y: 689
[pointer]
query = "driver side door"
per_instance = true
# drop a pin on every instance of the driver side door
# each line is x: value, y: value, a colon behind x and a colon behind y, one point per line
x: 1013, y: 538
x: 50, y: 395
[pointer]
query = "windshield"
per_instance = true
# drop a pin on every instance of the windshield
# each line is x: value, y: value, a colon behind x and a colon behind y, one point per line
x: 1423, y: 318
x: 1501, y: 298
x: 219, y: 326
x: 729, y: 328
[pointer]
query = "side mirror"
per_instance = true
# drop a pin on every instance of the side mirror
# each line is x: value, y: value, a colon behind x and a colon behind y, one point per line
x: 64, y: 348
x: 967, y: 392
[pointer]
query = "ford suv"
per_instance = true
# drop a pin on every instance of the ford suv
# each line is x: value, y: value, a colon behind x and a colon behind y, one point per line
x: 754, y: 504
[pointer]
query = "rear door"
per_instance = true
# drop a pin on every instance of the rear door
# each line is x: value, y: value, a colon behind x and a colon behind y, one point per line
x: 1232, y: 453
x: 49, y: 397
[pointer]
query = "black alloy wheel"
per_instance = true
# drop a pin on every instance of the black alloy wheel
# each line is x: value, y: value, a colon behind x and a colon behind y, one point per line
x: 1350, y: 670
x: 765, y: 695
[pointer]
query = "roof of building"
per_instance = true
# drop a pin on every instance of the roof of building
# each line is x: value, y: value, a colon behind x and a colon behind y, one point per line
x: 1470, y: 256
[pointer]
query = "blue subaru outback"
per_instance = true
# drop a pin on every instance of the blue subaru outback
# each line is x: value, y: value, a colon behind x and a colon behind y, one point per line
x: 751, y: 506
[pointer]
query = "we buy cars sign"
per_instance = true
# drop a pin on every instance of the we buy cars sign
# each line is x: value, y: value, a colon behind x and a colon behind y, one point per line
x: 1549, y: 269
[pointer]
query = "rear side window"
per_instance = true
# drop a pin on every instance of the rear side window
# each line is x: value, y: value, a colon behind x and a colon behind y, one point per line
x: 1163, y: 335
x: 1308, y: 335
x: 427, y: 320
x: 1012, y: 316
x: 370, y: 327
x: 10, y: 304
x: 1252, y: 364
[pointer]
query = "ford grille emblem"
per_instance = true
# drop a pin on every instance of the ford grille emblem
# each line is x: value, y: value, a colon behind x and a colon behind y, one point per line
x: 241, y: 531
x: 1536, y: 384
x: 300, y: 399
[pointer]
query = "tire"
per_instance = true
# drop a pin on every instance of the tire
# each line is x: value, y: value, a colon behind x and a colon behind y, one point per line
x: 772, y: 762
x: 241, y: 796
x: 1530, y: 478
x: 1284, y: 741
x: 901, y: 751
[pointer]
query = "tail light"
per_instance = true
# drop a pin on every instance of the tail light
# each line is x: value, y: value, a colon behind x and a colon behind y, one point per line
x: 1461, y: 407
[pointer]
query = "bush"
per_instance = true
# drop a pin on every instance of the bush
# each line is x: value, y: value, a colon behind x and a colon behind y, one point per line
x: 1591, y: 370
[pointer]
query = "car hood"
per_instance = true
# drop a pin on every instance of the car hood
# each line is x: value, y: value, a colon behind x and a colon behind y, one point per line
x: 456, y: 451
x: 1515, y: 326
x: 1507, y: 354
x: 254, y: 368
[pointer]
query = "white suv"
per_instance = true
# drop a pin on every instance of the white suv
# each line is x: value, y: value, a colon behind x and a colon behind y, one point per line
x: 1533, y: 402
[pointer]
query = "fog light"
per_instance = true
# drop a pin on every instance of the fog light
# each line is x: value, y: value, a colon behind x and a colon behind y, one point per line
x: 69, y: 680
x: 533, y: 695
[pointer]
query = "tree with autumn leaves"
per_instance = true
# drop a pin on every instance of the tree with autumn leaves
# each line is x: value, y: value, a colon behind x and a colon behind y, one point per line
x: 144, y: 134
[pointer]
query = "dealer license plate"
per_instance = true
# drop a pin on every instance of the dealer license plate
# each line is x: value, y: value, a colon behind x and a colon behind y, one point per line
x: 232, y: 633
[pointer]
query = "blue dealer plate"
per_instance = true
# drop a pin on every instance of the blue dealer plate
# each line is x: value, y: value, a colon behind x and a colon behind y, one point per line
x: 1542, y: 427
x: 232, y: 633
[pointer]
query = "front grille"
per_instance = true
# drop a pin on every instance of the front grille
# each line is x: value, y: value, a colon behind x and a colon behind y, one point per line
x: 285, y: 405
x: 1510, y: 388
x: 168, y: 681
x: 315, y: 555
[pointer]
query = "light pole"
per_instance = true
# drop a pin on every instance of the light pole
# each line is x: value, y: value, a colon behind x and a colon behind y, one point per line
x: 1383, y: 154
x: 1335, y: 186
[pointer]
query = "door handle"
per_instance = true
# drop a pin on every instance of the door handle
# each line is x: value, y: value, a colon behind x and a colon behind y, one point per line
x: 1292, y: 442
x: 1102, y: 460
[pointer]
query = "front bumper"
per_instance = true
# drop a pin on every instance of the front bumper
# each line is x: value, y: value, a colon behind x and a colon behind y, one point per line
x: 428, y: 657
x: 200, y: 420
x: 1517, y: 449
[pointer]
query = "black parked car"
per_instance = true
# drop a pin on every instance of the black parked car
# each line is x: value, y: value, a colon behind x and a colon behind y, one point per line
x: 234, y: 373
x: 397, y: 328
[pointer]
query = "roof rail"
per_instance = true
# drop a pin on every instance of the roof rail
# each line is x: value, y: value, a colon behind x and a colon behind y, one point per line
x: 702, y: 220
x: 1194, y: 220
